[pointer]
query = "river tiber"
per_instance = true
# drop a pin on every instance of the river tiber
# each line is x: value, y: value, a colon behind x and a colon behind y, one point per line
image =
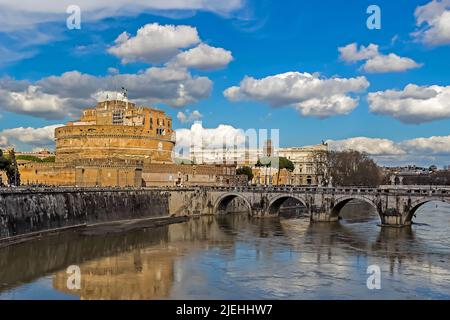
x: 114, y: 198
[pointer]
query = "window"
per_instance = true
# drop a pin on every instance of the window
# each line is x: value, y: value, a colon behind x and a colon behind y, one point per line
x: 117, y: 117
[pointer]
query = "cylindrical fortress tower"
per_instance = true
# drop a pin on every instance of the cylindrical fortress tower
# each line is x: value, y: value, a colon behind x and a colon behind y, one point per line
x: 117, y: 129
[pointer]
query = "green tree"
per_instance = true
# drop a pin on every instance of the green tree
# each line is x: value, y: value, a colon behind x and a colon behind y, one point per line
x: 245, y: 171
x: 8, y: 164
x: 265, y: 161
x: 49, y: 159
x: 287, y: 164
x: 284, y: 163
x: 28, y: 158
x: 4, y: 163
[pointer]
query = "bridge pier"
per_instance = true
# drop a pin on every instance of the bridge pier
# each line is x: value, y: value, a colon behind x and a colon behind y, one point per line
x: 395, y: 219
x: 323, y: 217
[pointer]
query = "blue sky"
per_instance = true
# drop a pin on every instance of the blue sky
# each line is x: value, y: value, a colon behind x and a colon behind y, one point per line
x: 265, y: 38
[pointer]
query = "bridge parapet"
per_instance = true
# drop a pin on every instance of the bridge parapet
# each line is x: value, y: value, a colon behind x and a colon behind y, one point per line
x: 395, y: 206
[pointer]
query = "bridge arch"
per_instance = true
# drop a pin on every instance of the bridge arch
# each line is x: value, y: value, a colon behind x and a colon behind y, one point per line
x: 419, y: 203
x: 340, y: 203
x: 274, y: 205
x: 224, y: 200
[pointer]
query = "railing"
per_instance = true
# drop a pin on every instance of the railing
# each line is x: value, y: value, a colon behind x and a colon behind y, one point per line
x: 434, y: 190
x: 431, y: 191
x: 72, y: 189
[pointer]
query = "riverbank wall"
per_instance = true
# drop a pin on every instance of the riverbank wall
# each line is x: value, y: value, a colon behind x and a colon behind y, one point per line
x: 33, y: 210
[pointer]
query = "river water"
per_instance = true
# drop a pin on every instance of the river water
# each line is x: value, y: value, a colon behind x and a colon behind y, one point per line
x: 237, y: 257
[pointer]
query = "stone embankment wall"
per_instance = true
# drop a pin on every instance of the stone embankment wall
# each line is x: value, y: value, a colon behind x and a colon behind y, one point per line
x: 23, y: 211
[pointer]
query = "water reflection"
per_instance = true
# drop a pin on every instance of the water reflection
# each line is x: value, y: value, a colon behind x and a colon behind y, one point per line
x: 139, y: 274
x: 237, y: 257
x: 25, y: 262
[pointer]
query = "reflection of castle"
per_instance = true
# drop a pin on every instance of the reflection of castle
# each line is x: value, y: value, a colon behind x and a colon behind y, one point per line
x: 149, y: 269
x: 119, y: 144
x: 139, y: 274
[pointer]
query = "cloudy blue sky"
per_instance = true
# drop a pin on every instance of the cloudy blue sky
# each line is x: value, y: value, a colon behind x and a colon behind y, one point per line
x: 312, y: 69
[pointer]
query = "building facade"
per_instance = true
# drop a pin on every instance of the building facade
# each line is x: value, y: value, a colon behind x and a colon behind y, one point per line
x: 231, y: 155
x: 309, y: 162
x: 271, y: 176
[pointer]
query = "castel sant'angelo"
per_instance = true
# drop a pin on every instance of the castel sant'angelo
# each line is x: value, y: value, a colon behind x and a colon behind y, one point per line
x: 117, y: 129
x: 117, y: 143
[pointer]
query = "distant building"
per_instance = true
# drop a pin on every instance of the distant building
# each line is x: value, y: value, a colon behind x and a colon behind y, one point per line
x: 309, y: 162
x: 410, y: 170
x: 41, y: 154
x: 27, y: 157
x: 415, y: 175
x: 271, y: 176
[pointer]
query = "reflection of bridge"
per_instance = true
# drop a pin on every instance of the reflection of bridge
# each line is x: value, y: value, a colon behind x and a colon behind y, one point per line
x: 396, y: 206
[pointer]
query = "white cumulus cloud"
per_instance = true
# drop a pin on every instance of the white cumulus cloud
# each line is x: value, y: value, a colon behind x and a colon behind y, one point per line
x: 203, y: 57
x: 351, y: 52
x: 56, y: 97
x: 189, y: 116
x: 372, y: 146
x: 309, y: 94
x: 199, y: 137
x: 3, y: 142
x: 154, y: 43
x: 433, y: 20
x: 389, y: 63
x: 433, y: 145
x: 33, y: 101
x: 375, y: 62
x: 420, y: 151
x: 28, y: 138
x: 414, y: 104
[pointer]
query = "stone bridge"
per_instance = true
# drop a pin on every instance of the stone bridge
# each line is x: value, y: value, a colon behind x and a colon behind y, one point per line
x: 396, y: 206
